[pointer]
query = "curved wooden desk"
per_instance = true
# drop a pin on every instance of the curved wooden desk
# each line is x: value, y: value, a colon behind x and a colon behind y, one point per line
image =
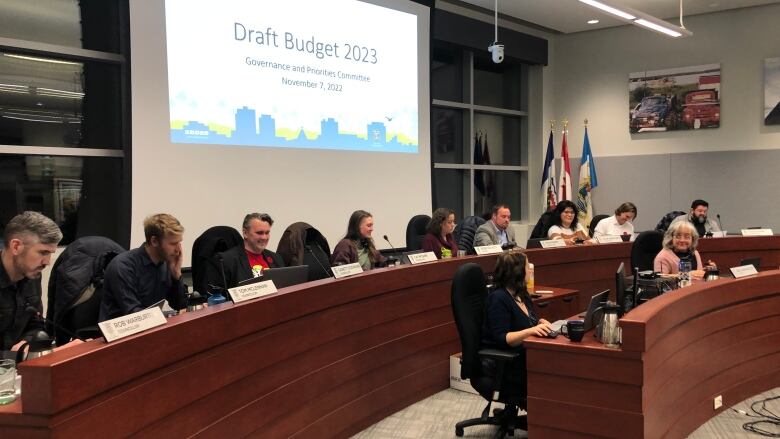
x: 325, y: 359
x: 679, y: 352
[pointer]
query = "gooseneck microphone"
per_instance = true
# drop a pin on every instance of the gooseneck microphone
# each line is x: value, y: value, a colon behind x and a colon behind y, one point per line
x: 314, y: 255
x: 395, y: 252
x: 34, y: 312
x: 222, y: 272
x: 720, y: 224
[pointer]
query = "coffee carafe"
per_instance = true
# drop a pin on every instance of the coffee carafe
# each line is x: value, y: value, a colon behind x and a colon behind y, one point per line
x: 608, y: 331
x: 39, y: 345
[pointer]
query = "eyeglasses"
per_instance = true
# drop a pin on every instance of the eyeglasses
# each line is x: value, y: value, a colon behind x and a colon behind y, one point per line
x: 683, y: 236
x: 568, y: 212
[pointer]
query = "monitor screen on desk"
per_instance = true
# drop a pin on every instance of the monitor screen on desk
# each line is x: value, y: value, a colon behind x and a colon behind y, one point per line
x: 756, y: 262
x: 597, y: 301
x: 282, y: 277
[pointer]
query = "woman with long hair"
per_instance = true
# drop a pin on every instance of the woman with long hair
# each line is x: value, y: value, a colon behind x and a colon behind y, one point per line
x: 357, y: 245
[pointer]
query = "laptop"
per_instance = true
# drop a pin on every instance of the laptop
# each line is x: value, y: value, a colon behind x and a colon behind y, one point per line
x: 591, y: 315
x: 756, y: 262
x: 405, y: 256
x: 282, y: 277
x: 535, y: 242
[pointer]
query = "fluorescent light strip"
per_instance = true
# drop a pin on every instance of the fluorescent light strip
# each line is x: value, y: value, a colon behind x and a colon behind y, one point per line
x: 657, y: 27
x: 32, y: 120
x: 610, y: 9
x: 48, y: 60
x: 64, y: 92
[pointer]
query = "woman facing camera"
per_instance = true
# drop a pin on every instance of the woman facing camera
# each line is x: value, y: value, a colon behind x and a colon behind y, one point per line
x: 510, y: 317
x: 621, y: 223
x: 358, y: 246
x: 679, y: 244
x: 439, y: 237
x: 565, y: 226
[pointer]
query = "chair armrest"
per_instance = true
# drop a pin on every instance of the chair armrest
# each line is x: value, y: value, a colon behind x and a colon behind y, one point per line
x: 498, y: 355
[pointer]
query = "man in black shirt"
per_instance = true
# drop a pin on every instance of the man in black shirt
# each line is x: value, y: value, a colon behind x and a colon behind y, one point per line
x: 141, y: 277
x: 30, y: 239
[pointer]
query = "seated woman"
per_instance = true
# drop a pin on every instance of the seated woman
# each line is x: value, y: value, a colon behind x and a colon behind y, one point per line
x: 621, y: 223
x: 565, y: 226
x: 679, y: 244
x: 510, y: 316
x: 358, y: 246
x: 439, y: 236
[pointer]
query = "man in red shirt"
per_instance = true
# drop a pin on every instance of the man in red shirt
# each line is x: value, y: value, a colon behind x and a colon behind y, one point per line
x: 248, y: 260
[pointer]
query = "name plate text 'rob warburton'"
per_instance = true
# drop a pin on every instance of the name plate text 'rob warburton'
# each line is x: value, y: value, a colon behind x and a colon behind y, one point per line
x: 130, y: 324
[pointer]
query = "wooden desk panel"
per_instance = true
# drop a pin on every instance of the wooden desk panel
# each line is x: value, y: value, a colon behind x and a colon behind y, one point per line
x: 331, y: 357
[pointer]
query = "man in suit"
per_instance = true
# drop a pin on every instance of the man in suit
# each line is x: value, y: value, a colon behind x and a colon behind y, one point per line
x: 497, y: 230
x: 249, y: 259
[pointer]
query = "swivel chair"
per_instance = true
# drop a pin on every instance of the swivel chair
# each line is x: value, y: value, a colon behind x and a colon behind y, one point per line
x: 646, y: 246
x: 483, y: 367
x: 667, y: 219
x: 594, y: 222
x: 542, y: 226
x: 215, y: 240
x: 415, y: 231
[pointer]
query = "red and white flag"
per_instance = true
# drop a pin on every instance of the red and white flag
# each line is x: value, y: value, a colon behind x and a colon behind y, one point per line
x: 564, y: 178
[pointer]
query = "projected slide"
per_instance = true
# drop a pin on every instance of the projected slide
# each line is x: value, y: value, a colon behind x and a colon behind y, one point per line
x: 336, y: 74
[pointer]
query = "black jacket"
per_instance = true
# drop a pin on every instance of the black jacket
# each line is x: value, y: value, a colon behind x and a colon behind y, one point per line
x: 236, y: 265
x: 15, y: 320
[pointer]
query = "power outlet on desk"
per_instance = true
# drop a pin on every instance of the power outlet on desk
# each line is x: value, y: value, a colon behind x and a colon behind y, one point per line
x: 717, y: 402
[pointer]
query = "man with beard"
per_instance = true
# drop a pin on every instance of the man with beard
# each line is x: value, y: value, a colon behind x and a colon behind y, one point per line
x: 30, y: 239
x: 141, y: 277
x: 698, y: 217
x: 249, y: 259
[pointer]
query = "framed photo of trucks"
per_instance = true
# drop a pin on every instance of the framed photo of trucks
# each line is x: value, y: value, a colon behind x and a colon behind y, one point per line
x: 685, y: 98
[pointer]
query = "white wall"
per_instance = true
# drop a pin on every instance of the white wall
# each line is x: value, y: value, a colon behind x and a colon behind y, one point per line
x: 590, y: 75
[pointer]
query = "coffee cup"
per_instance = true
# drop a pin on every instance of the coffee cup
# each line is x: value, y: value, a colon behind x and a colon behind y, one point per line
x: 574, y: 330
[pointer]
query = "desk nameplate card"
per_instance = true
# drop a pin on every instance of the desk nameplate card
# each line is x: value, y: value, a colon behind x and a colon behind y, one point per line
x: 552, y: 243
x: 608, y: 239
x: 743, y: 271
x: 340, y: 271
x: 417, y: 258
x: 757, y: 232
x: 130, y: 324
x: 488, y: 249
x: 721, y: 234
x: 253, y: 291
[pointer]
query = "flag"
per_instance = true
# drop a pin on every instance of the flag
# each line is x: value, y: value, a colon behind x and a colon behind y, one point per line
x: 479, y: 181
x: 549, y: 188
x: 489, y: 183
x: 588, y: 182
x: 564, y: 179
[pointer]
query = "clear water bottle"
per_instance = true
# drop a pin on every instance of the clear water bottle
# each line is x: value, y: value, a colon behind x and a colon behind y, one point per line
x: 685, y: 273
x: 216, y: 298
x: 530, y: 282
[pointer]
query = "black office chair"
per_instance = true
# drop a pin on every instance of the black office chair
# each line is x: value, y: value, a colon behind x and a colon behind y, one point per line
x: 75, y: 287
x: 594, y: 222
x: 666, y: 221
x: 465, y: 232
x: 542, y: 226
x: 214, y: 240
x: 302, y: 244
x: 483, y: 367
x: 415, y: 231
x: 646, y: 246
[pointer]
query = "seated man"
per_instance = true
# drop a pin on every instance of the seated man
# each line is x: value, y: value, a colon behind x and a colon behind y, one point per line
x: 496, y: 231
x: 139, y: 278
x: 30, y: 239
x: 698, y: 217
x: 249, y: 259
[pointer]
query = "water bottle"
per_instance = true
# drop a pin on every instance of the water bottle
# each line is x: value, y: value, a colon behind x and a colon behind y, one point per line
x: 685, y: 273
x: 216, y: 299
x: 530, y: 283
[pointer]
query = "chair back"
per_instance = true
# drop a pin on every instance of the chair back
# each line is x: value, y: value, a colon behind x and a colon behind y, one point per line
x: 667, y: 219
x: 468, y: 308
x: 594, y: 222
x: 466, y: 231
x: 415, y: 231
x: 215, y: 240
x: 646, y: 246
x: 302, y: 244
x: 542, y: 226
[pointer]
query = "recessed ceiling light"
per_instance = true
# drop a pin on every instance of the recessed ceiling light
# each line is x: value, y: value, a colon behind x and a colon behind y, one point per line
x: 592, y: 21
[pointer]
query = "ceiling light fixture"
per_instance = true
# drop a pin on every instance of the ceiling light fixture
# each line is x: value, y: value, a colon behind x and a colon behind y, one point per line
x: 593, y: 21
x: 35, y: 58
x: 639, y: 18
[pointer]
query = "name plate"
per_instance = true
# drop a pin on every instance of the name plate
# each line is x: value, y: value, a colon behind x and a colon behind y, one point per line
x: 607, y: 239
x: 253, y: 291
x: 757, y: 232
x: 340, y: 271
x: 416, y: 258
x: 743, y: 271
x: 488, y: 249
x: 130, y: 324
x: 721, y: 234
x: 553, y: 243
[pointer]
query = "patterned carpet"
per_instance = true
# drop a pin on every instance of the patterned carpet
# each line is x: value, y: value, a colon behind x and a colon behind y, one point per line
x: 435, y: 417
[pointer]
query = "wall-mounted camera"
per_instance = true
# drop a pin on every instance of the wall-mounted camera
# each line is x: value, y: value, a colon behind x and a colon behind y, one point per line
x: 497, y: 50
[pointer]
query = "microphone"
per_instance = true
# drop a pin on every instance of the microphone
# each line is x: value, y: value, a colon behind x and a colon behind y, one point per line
x: 395, y: 252
x: 314, y: 255
x: 720, y: 224
x: 222, y: 272
x: 33, y: 311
